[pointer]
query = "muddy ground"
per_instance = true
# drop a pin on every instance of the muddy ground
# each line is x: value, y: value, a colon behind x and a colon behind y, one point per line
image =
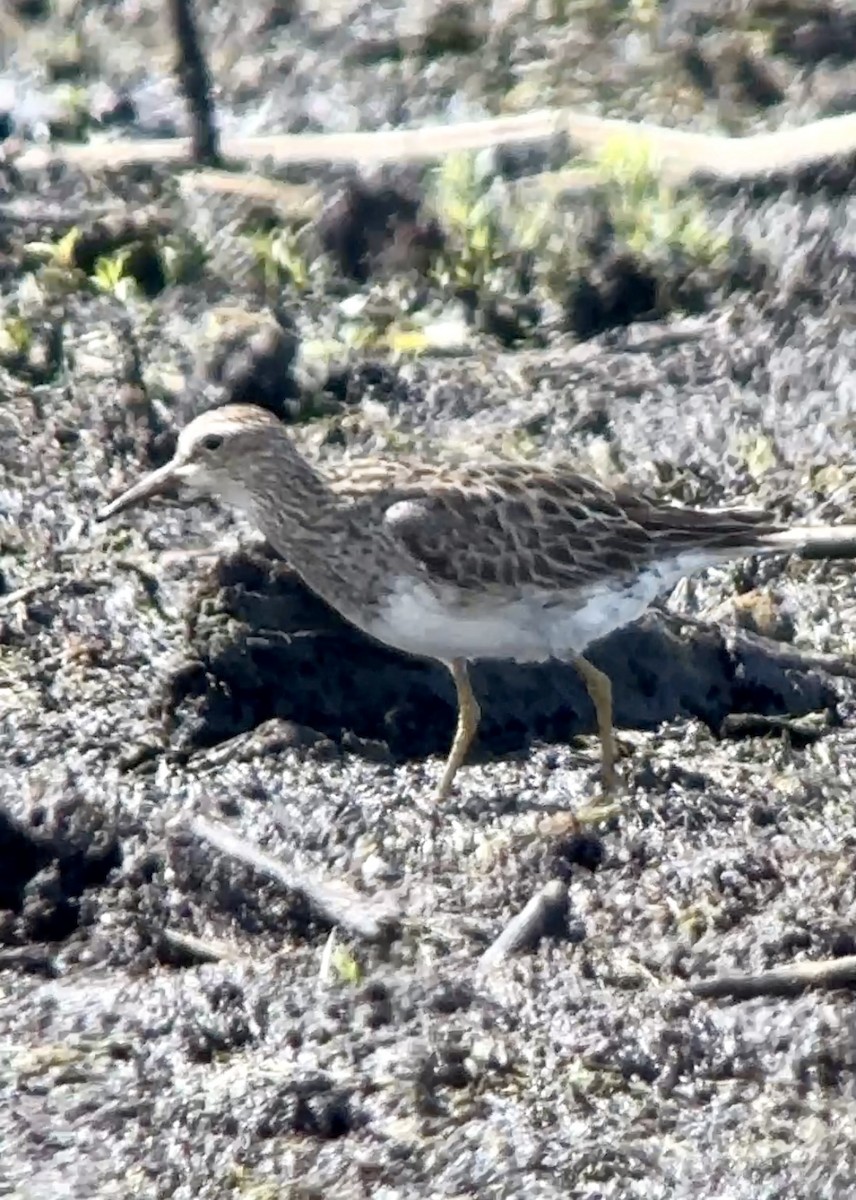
x: 177, y: 1024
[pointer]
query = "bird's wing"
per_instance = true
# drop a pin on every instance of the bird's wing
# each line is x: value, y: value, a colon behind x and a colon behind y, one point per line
x: 501, y: 525
x: 509, y: 525
x: 724, y: 532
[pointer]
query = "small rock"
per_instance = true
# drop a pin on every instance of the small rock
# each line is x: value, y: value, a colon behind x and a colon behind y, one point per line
x: 30, y: 10
x: 279, y: 14
x: 66, y: 61
x: 614, y: 292
x: 253, y: 360
x: 109, y: 107
x: 369, y: 223
x: 451, y: 31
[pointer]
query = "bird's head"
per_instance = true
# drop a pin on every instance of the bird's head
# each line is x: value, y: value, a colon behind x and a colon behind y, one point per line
x: 233, y: 453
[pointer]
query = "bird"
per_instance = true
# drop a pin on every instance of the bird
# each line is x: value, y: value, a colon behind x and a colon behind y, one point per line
x: 485, y: 560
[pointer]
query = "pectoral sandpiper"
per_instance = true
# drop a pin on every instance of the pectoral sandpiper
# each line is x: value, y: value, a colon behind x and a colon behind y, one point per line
x: 501, y: 560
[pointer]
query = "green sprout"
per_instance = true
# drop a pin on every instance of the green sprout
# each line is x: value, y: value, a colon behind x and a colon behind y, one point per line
x: 16, y: 337
x: 183, y: 259
x: 60, y: 253
x: 644, y: 13
x: 74, y: 103
x: 281, y: 259
x: 345, y: 965
x: 471, y: 215
x: 647, y: 213
x: 110, y: 273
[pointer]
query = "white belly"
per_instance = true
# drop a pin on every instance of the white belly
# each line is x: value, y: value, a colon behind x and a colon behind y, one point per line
x: 530, y: 628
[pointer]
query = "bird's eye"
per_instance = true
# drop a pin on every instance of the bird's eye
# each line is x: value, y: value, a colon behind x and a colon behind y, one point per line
x: 212, y: 441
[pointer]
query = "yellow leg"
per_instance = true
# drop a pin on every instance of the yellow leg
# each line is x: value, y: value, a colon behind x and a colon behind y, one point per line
x: 469, y: 714
x: 600, y: 691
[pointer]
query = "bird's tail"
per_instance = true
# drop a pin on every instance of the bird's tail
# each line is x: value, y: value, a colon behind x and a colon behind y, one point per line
x: 813, y: 541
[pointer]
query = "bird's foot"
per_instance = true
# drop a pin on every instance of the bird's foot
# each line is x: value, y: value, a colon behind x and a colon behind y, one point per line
x: 599, y: 808
x: 607, y: 800
x: 602, y: 807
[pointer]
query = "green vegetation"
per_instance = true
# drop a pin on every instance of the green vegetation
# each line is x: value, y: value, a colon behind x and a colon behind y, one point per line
x: 73, y: 121
x: 491, y: 231
x: 110, y: 273
x: 470, y: 216
x: 650, y: 216
x: 183, y: 258
x: 60, y: 253
x: 644, y: 13
x: 345, y: 966
x: 281, y: 259
x: 486, y: 232
x: 507, y: 253
x: 16, y: 338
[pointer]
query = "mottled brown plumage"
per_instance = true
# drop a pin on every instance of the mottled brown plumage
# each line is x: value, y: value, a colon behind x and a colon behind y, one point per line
x: 503, y: 560
x: 511, y: 525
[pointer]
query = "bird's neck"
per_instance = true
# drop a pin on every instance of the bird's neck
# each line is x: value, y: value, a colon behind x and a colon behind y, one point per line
x: 342, y: 556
